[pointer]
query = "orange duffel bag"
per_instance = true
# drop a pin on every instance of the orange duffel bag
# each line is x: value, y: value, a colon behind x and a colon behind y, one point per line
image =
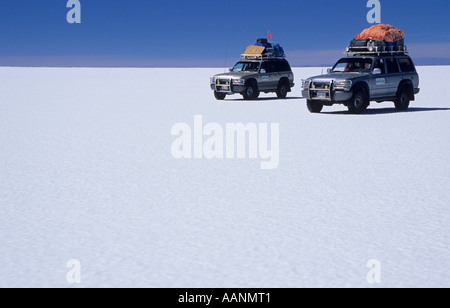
x: 382, y: 32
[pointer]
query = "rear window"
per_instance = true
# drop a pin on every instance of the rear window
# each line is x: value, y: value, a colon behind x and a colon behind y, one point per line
x: 277, y: 66
x: 406, y: 65
x: 392, y: 65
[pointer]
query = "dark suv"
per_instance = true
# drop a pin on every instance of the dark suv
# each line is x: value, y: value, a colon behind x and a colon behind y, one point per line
x: 357, y: 80
x: 250, y: 76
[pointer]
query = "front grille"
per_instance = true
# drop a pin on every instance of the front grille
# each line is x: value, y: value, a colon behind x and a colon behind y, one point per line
x: 320, y: 90
x: 321, y: 85
x: 223, y: 82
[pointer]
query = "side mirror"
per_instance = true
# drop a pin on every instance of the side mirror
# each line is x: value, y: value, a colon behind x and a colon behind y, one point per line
x: 377, y: 71
x: 230, y: 69
x: 263, y: 71
x: 328, y: 70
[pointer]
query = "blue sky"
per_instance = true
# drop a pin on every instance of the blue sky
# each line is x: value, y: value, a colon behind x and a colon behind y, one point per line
x: 205, y: 32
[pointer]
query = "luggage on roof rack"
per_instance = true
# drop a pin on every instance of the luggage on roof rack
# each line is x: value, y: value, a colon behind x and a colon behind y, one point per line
x: 382, y: 32
x: 263, y: 42
x: 263, y: 50
x: 378, y: 39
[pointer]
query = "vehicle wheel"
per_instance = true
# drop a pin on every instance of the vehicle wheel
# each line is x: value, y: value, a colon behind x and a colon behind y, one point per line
x: 314, y: 107
x: 402, y: 102
x: 282, y: 90
x: 358, y: 103
x: 219, y: 96
x: 250, y: 92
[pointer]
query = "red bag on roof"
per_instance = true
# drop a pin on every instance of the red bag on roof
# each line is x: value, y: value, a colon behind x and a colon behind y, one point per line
x: 382, y: 32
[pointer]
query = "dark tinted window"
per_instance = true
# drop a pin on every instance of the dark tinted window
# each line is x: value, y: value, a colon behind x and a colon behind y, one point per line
x: 406, y: 65
x: 276, y: 66
x: 392, y: 65
x: 379, y: 63
x: 265, y: 66
x: 269, y: 66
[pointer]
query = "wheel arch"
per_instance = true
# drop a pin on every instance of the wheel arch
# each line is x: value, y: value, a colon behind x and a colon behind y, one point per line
x: 361, y: 85
x: 286, y: 81
x: 406, y: 83
x: 253, y: 82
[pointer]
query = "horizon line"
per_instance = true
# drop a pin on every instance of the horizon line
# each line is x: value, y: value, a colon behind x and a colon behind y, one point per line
x: 176, y: 67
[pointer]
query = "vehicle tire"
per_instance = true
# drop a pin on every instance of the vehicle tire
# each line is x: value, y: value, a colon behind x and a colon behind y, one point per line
x: 314, y: 107
x: 282, y: 90
x: 250, y: 92
x: 403, y: 100
x: 358, y: 103
x: 219, y: 96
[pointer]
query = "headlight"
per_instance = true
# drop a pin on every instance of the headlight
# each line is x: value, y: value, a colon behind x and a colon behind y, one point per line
x: 305, y: 84
x: 345, y: 85
x: 239, y: 81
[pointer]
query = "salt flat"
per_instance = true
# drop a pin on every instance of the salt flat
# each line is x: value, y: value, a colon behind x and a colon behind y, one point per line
x: 86, y: 173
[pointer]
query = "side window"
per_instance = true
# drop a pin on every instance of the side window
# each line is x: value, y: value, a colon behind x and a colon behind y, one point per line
x: 277, y: 66
x: 270, y: 66
x: 406, y: 65
x: 379, y: 63
x: 265, y: 66
x: 392, y: 66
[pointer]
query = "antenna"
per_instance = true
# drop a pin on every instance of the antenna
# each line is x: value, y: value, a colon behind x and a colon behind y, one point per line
x: 226, y: 53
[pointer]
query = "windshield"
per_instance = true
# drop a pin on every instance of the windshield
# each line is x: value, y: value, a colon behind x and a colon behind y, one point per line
x: 246, y: 67
x: 352, y: 65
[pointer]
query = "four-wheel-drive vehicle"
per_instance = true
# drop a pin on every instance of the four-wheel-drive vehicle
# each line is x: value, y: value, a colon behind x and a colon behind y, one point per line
x: 258, y: 71
x: 357, y: 80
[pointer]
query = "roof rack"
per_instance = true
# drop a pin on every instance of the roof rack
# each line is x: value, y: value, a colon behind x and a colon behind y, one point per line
x: 377, y: 50
x: 260, y: 53
x: 368, y: 53
x: 261, y: 57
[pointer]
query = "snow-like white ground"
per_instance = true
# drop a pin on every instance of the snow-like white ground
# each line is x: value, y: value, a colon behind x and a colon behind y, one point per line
x: 86, y: 173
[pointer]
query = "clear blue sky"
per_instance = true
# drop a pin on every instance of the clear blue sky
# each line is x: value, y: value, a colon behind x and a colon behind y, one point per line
x: 204, y: 32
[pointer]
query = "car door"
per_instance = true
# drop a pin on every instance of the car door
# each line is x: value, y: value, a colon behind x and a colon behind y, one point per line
x: 408, y: 69
x: 264, y: 78
x: 379, y: 83
x: 276, y: 74
x: 394, y: 76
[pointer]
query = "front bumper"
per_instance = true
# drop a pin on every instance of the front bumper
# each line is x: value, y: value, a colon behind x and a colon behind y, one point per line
x: 228, y: 89
x: 330, y: 96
